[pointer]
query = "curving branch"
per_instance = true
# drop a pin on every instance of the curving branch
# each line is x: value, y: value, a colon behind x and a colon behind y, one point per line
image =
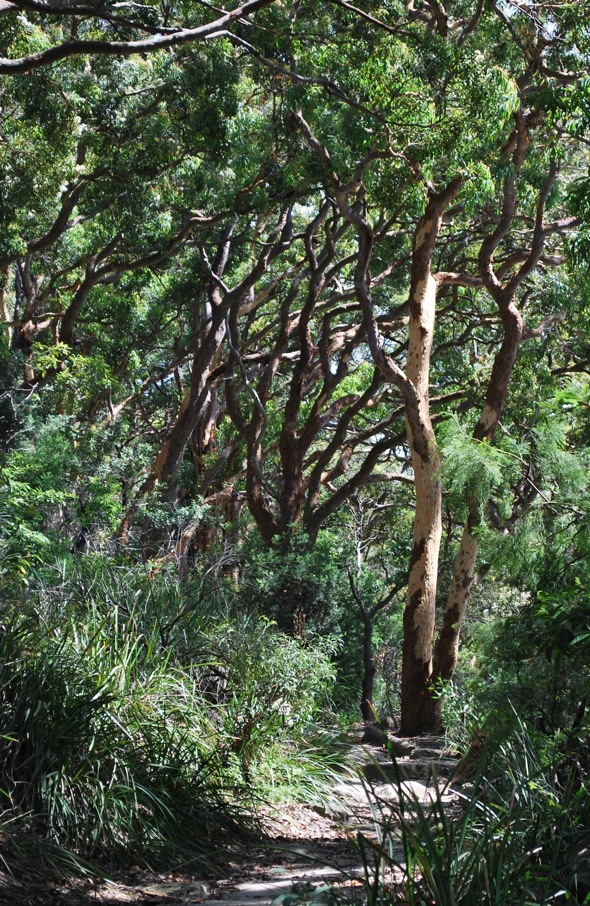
x: 517, y: 146
x: 156, y: 42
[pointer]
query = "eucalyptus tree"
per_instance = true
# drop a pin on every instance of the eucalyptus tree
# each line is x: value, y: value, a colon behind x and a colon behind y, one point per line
x: 39, y: 33
x: 310, y: 230
x: 492, y: 167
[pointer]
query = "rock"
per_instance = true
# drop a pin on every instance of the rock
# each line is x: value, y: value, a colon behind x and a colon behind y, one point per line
x: 400, y: 747
x: 433, y: 742
x: 425, y: 769
x: 177, y: 889
x: 375, y: 735
x: 427, y: 753
x: 422, y: 769
x: 417, y: 791
x: 332, y: 808
x: 354, y: 791
x: 412, y: 791
x: 380, y: 772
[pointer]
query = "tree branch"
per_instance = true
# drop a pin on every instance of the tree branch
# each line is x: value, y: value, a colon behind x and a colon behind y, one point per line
x: 127, y: 48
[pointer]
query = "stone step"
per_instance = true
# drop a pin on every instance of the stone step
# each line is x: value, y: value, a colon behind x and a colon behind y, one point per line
x: 423, y: 769
x: 263, y: 891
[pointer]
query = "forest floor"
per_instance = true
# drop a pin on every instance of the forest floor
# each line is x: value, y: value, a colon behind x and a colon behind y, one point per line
x: 301, y: 845
x: 305, y: 844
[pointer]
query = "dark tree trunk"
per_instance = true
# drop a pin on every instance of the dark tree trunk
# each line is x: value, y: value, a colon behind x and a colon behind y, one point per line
x: 368, y: 680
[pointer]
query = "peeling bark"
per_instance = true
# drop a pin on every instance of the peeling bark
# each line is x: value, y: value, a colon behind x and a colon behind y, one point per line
x: 413, y: 384
x: 419, y: 613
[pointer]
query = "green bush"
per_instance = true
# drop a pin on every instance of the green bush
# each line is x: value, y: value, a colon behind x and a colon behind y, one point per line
x: 303, y: 589
x: 139, y: 721
x: 105, y: 747
x: 306, y: 591
x: 268, y: 687
x: 536, y: 659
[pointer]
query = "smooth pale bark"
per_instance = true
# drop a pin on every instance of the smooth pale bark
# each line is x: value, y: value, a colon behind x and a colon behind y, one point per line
x: 419, y: 613
x: 417, y: 710
x: 418, y: 713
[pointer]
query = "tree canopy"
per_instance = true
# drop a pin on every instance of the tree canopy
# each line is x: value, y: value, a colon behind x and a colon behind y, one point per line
x: 258, y: 264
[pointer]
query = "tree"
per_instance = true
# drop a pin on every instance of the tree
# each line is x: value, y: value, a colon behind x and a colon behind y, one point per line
x: 503, y: 279
x: 79, y: 30
x: 267, y: 269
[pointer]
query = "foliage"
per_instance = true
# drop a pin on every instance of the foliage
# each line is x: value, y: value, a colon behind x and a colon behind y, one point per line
x: 301, y: 588
x: 303, y: 767
x: 212, y: 254
x: 306, y: 590
x: 477, y: 471
x: 517, y: 838
x: 107, y: 750
x: 269, y: 687
x: 536, y: 658
x: 124, y: 720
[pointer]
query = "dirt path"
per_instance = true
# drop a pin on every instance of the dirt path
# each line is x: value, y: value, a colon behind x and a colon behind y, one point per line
x: 302, y: 847
x: 306, y: 845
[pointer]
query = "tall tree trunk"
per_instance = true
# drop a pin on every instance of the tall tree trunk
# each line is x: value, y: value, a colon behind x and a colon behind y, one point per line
x: 417, y: 712
x: 423, y: 664
x: 368, y: 680
x: 447, y: 646
x: 419, y: 612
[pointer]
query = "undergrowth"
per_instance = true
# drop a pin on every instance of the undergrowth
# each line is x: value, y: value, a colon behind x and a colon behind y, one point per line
x: 516, y: 837
x: 119, y: 745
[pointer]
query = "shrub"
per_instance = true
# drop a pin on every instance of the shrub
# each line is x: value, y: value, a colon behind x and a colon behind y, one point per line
x: 104, y: 746
x: 536, y: 659
x: 132, y: 712
x: 268, y: 687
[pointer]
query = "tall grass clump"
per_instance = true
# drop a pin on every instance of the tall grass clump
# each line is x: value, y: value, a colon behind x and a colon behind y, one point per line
x: 106, y: 748
x: 142, y: 720
x: 516, y: 835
